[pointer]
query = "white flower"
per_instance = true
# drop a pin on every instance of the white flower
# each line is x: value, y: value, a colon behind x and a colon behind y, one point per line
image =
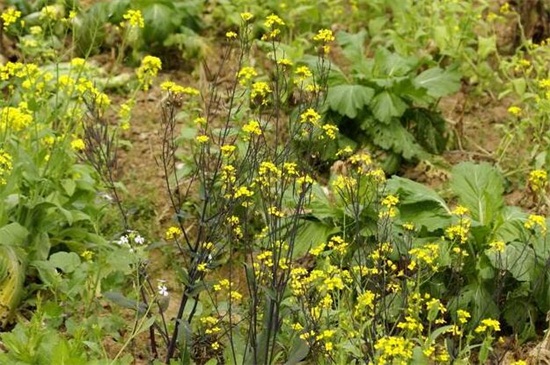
x: 138, y: 239
x: 123, y: 240
x: 163, y: 290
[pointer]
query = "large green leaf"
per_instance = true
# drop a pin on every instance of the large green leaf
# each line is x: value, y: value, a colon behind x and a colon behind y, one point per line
x: 395, y: 137
x: 517, y: 258
x: 419, y: 204
x: 311, y: 234
x: 438, y: 82
x: 479, y: 188
x: 349, y: 100
x: 411, y: 192
x: 389, y: 64
x: 509, y: 225
x: 387, y: 105
x: 353, y: 45
x: 13, y: 234
x: 160, y: 22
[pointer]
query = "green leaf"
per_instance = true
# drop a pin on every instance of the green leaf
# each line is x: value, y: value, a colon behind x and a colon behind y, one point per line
x: 69, y: 185
x: 311, y: 234
x: 438, y: 82
x: 353, y: 45
x: 419, y: 204
x: 298, y: 352
x: 13, y: 234
x: 486, y: 46
x: 411, y: 192
x: 517, y: 258
x: 349, y: 100
x: 120, y: 300
x: 391, y: 64
x: 509, y: 226
x: 159, y: 22
x: 395, y: 137
x: 479, y: 188
x: 65, y: 261
x: 387, y: 105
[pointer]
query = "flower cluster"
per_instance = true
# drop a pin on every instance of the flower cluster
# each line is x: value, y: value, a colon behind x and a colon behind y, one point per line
x: 134, y: 18
x: 5, y: 166
x: 260, y: 92
x: 272, y: 22
x: 538, y: 180
x: 178, y: 90
x: 15, y: 118
x: 148, y: 70
x: 324, y: 36
x: 10, y: 16
x: 535, y: 220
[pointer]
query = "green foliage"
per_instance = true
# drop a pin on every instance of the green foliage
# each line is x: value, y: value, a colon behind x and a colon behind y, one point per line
x: 390, y: 99
x: 504, y: 253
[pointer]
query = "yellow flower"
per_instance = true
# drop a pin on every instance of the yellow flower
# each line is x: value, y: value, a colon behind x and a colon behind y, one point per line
x: 535, y: 220
x: 488, y: 325
x: 202, y: 139
x: 174, y: 88
x: 149, y: 68
x: 78, y: 144
x: 227, y: 150
x: 5, y: 166
x: 200, y: 120
x: 87, y: 255
x: 324, y: 35
x: 394, y: 350
x: 16, y: 118
x: 462, y: 316
x: 505, y: 8
x: 231, y: 35
x: 284, y: 62
x: 390, y: 201
x: 330, y: 130
x: 310, y: 116
x: 303, y: 72
x: 538, y: 179
x: 252, y: 127
x: 246, y: 16
x: 134, y: 18
x: 173, y: 232
x: 260, y: 91
x: 460, y: 210
x: 10, y: 16
x: 78, y: 62
x: 246, y: 74
x: 272, y: 20
x: 497, y: 246
x: 514, y: 110
x: 51, y: 12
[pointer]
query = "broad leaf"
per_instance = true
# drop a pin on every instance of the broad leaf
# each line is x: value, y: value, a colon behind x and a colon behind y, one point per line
x: 389, y: 64
x: 159, y: 22
x: 349, y: 100
x: 395, y: 137
x: 479, y: 188
x: 411, y: 192
x: 311, y: 234
x: 438, y: 82
x: 387, y: 105
x: 419, y: 204
x: 65, y: 261
x: 353, y: 45
x: 517, y: 258
x: 13, y: 234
